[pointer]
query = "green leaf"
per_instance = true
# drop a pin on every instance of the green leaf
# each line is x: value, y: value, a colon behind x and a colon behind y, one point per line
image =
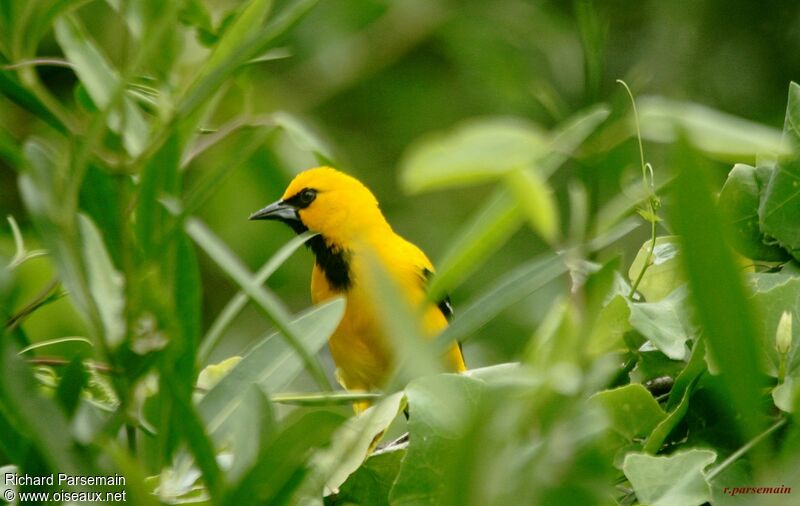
x: 251, y: 426
x: 372, y: 482
x: 787, y: 394
x: 19, y: 94
x: 239, y: 301
x: 771, y: 303
x: 70, y: 386
x: 664, y: 273
x: 512, y: 287
x: 441, y: 410
x: 716, y: 133
x: 270, y: 364
x: 632, y: 410
x: 44, y: 425
x: 694, y: 368
x: 213, y: 373
x: 475, y: 152
x: 283, y: 462
x: 106, y: 284
x: 666, y: 426
x: 102, y: 82
x: 197, y: 440
x: 267, y: 302
x: 159, y: 179
x: 610, y: 327
x: 236, y: 46
x: 325, y: 399
x: 717, y: 292
x: 677, y: 480
x: 739, y: 203
x: 667, y: 323
x: 353, y: 441
x: 493, y: 224
x: 780, y: 204
x: 535, y: 198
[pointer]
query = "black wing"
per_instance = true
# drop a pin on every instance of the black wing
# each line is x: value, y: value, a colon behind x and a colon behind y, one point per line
x: 444, y: 305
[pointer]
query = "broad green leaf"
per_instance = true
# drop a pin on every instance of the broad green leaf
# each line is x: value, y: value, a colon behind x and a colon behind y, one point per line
x: 711, y: 131
x: 283, y: 461
x: 213, y: 373
x: 610, y: 327
x: 267, y: 302
x: 739, y: 202
x: 352, y: 442
x: 106, y: 284
x: 666, y: 426
x: 667, y: 323
x: 787, y: 394
x: 676, y: 480
x: 492, y: 225
x: 652, y: 365
x: 159, y: 179
x: 69, y: 388
x: 535, y: 199
x: 780, y: 204
x: 250, y: 426
x: 102, y: 82
x: 372, y: 482
x: 441, y: 410
x: 717, y: 292
x: 239, y: 301
x: 664, y: 273
x: 632, y: 411
x: 475, y: 152
x: 770, y: 304
x: 694, y: 368
x: 19, y: 94
x: 270, y: 364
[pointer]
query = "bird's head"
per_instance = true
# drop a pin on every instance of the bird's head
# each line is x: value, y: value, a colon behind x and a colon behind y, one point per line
x: 327, y: 201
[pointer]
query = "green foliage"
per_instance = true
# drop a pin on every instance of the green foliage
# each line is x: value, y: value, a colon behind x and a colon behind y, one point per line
x: 619, y: 376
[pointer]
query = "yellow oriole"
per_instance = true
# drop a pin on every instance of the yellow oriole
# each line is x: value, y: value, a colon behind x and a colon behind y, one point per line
x: 351, y: 227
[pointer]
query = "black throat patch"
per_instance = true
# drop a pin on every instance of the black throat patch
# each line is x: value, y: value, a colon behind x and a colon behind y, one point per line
x: 334, y: 262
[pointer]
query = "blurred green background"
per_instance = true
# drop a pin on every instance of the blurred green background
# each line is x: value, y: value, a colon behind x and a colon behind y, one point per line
x: 234, y: 98
x: 371, y: 77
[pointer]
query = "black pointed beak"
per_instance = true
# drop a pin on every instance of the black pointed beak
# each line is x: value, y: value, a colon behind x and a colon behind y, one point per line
x: 279, y: 210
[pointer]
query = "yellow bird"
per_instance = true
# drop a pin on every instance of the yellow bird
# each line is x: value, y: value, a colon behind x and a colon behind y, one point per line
x: 352, y: 229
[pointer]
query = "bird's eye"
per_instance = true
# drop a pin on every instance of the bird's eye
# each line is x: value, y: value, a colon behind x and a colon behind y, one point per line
x: 307, y: 196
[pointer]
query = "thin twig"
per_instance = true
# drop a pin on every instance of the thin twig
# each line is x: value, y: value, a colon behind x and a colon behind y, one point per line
x: 744, y: 449
x: 42, y: 298
x: 59, y: 361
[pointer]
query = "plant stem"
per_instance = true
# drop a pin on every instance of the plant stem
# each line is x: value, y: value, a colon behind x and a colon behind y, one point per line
x: 648, y: 258
x: 744, y: 449
x: 58, y: 361
x: 42, y: 298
